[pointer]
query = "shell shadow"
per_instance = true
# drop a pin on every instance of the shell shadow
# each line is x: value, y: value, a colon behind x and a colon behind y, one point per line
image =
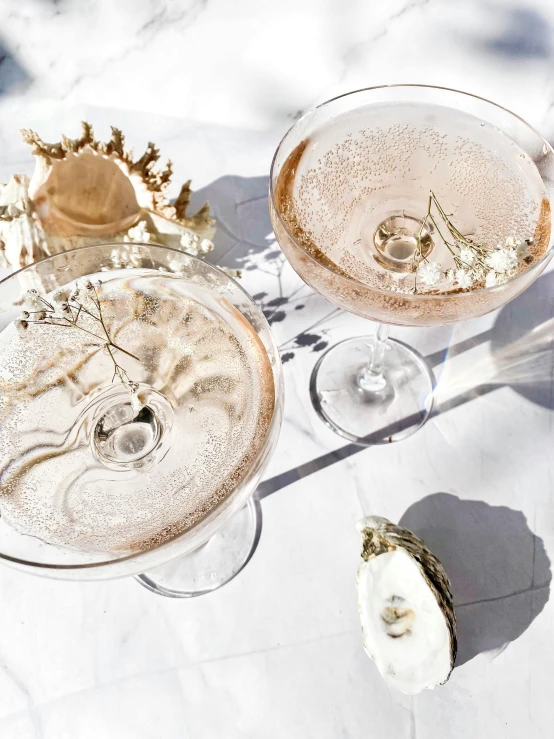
x: 244, y: 231
x: 499, y: 570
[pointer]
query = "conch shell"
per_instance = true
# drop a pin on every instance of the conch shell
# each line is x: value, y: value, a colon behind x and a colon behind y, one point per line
x: 84, y: 192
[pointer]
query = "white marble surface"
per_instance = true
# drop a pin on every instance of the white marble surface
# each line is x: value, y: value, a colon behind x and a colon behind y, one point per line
x: 277, y: 653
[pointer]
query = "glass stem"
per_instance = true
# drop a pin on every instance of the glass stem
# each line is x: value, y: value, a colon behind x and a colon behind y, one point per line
x: 371, y: 377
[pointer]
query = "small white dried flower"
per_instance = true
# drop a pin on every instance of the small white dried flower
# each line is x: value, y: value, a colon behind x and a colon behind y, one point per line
x: 512, y: 242
x: 467, y: 256
x: 503, y: 259
x: 189, y: 242
x: 61, y: 295
x: 490, y: 280
x: 139, y: 232
x: 464, y: 278
x: 81, y: 288
x: 21, y: 326
x: 206, y: 246
x: 429, y: 273
x: 450, y: 276
x: 511, y: 258
x: 32, y: 301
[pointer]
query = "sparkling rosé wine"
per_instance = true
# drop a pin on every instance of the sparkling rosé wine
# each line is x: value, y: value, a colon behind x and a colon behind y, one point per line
x: 77, y: 475
x: 340, y: 184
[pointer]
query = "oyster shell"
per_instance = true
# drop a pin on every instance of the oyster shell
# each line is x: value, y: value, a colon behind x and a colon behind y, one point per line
x: 85, y: 191
x: 406, y: 609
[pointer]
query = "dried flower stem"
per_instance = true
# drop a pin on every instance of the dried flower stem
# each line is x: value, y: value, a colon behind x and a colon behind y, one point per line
x: 45, y: 314
x: 479, y: 250
x: 475, y: 263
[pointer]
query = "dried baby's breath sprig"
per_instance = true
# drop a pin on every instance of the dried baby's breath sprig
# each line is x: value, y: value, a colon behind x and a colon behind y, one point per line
x: 68, y: 310
x: 474, y: 263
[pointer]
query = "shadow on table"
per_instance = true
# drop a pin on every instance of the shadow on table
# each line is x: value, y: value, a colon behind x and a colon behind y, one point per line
x: 499, y: 569
x: 244, y: 231
x: 509, y: 31
x: 520, y: 33
x: 244, y: 240
x: 522, y: 343
x: 13, y: 77
x: 521, y: 357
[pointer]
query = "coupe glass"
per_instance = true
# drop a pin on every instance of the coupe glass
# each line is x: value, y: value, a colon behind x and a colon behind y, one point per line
x: 108, y: 472
x: 349, y: 192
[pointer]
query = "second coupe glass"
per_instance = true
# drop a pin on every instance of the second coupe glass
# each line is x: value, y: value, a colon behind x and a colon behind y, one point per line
x: 361, y: 188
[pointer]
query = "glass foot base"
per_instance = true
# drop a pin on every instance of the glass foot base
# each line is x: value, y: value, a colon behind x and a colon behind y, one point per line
x: 372, y: 417
x: 213, y: 564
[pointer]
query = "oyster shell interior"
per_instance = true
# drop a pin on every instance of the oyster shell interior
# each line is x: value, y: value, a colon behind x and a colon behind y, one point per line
x: 406, y: 609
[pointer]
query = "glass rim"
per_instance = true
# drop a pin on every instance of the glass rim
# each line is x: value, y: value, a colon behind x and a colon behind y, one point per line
x: 352, y: 280
x: 278, y: 391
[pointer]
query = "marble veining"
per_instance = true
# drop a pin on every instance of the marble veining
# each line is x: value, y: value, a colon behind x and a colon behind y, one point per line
x: 277, y: 652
